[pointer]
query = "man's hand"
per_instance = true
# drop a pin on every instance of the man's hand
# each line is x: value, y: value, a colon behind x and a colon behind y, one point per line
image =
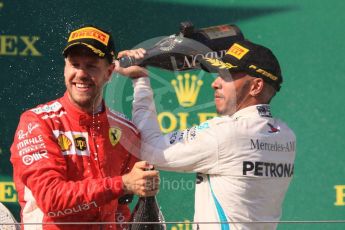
x: 132, y: 71
x: 141, y: 180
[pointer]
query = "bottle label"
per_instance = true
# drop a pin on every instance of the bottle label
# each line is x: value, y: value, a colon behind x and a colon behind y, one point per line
x: 221, y: 31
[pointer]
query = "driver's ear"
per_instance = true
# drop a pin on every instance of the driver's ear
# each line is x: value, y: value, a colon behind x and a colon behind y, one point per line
x: 256, y: 87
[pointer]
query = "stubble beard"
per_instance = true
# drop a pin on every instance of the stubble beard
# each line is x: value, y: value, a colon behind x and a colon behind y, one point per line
x: 86, y: 102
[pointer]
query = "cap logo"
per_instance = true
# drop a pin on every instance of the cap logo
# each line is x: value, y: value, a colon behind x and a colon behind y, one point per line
x: 220, y: 64
x: 263, y: 72
x: 95, y: 50
x: 91, y: 33
x: 237, y: 51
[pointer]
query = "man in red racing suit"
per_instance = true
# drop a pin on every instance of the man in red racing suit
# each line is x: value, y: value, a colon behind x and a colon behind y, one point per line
x: 61, y: 174
x: 69, y: 157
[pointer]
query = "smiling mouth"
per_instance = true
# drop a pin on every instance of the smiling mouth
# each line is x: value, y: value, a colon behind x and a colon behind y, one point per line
x: 82, y: 86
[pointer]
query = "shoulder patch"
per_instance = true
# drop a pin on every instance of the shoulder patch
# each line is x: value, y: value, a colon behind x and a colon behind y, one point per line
x: 121, y: 118
x: 54, y: 107
x: 204, y: 125
x: 264, y: 110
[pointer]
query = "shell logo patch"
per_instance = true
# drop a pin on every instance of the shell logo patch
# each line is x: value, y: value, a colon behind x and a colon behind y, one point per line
x: 114, y: 135
x: 72, y: 142
x: 237, y: 51
x: 64, y: 142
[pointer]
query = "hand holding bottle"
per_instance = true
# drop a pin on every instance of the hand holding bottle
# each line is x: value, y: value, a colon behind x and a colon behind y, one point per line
x: 133, y: 71
x: 147, y: 214
x: 141, y: 180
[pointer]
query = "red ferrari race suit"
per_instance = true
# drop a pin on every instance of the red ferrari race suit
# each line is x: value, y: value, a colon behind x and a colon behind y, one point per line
x: 68, y: 165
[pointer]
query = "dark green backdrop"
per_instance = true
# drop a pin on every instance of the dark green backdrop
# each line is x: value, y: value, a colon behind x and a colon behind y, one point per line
x: 307, y: 37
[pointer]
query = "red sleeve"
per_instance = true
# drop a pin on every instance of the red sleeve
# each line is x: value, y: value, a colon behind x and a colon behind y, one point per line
x: 40, y: 166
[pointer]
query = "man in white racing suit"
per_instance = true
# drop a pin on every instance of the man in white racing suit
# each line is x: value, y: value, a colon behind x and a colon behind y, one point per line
x: 244, y: 159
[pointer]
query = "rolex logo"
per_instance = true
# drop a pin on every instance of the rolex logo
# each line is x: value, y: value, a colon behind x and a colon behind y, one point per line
x: 187, y: 88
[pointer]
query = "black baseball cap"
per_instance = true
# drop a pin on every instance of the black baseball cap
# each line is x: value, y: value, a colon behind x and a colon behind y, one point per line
x: 253, y: 59
x: 94, y: 38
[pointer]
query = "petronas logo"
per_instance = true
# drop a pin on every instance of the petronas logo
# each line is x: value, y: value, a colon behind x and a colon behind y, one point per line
x: 187, y: 89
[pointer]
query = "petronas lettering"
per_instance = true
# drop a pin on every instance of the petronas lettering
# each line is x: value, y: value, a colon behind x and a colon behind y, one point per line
x: 268, y: 169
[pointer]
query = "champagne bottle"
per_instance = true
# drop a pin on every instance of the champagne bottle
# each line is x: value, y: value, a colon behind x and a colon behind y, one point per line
x: 181, y: 51
x: 147, y: 210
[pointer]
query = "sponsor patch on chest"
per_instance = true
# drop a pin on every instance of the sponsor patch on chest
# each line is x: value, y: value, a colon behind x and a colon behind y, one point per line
x: 73, y: 143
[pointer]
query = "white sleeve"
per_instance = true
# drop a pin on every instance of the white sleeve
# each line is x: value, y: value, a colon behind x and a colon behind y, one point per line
x: 191, y: 150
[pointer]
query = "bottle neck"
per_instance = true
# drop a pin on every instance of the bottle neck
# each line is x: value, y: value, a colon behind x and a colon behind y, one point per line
x: 149, y: 198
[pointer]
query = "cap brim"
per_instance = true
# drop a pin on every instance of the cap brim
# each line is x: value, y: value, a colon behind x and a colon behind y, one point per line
x: 92, y: 48
x: 214, y: 65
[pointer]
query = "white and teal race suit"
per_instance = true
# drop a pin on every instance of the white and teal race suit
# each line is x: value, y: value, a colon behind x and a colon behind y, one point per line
x: 244, y: 162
